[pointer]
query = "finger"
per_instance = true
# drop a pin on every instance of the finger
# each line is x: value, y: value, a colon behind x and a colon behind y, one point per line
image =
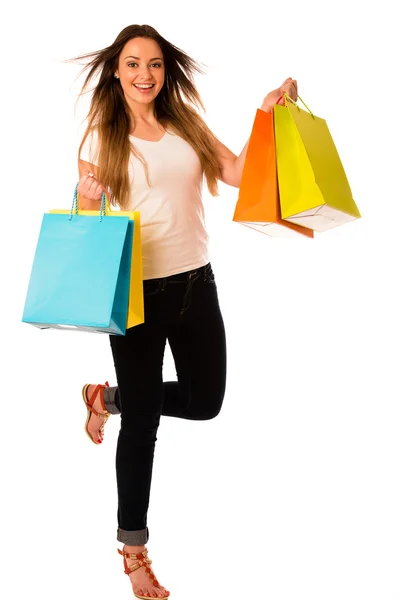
x: 286, y: 90
x: 82, y: 186
x: 290, y: 91
x: 93, y: 184
x: 88, y: 189
x: 96, y: 191
x: 99, y: 191
x: 82, y: 181
x: 85, y: 183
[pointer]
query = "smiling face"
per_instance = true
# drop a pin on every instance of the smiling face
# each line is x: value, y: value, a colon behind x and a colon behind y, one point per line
x: 141, y: 71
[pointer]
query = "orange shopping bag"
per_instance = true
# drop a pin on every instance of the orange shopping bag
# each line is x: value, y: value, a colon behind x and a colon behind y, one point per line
x: 258, y: 204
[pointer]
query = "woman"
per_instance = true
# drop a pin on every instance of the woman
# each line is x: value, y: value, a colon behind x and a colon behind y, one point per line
x: 148, y: 147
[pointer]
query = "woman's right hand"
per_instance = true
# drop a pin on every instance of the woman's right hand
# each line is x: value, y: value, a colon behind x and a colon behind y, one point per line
x: 89, y: 187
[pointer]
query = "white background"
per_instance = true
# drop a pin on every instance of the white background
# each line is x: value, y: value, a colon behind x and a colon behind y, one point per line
x: 293, y: 491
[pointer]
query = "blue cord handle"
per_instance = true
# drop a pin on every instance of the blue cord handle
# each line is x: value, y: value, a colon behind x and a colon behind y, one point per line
x: 75, y: 210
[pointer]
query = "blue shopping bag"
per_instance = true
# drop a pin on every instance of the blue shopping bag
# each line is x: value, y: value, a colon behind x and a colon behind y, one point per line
x: 81, y: 273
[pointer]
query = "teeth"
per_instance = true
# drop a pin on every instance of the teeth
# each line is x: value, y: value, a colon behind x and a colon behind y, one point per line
x: 144, y: 86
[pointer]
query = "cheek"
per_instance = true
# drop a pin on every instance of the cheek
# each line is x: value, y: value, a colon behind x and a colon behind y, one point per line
x: 126, y: 85
x: 160, y: 76
x: 126, y: 80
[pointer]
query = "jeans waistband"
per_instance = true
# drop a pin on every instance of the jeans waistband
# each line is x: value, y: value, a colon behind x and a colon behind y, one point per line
x: 186, y: 276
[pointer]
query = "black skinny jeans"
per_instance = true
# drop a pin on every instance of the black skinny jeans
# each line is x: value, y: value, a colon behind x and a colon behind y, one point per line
x: 184, y: 310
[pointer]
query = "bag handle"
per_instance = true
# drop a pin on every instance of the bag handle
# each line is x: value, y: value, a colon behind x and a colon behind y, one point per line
x: 74, y: 207
x: 285, y: 95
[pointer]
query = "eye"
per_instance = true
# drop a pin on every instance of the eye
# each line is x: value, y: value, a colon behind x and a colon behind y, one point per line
x: 134, y: 64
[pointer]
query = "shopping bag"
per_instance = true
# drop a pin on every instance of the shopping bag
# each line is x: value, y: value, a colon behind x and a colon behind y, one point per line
x: 80, y: 273
x: 136, y: 301
x: 258, y: 202
x: 313, y: 187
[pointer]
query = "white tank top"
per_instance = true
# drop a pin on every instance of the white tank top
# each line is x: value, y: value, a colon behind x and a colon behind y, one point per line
x: 174, y: 236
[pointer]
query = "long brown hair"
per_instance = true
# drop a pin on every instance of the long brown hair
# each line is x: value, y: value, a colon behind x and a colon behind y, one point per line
x: 175, y: 106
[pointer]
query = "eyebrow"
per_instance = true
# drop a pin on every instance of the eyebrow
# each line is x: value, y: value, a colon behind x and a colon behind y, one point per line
x: 137, y: 58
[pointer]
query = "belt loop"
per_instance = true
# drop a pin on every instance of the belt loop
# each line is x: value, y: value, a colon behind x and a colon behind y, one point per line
x: 192, y: 277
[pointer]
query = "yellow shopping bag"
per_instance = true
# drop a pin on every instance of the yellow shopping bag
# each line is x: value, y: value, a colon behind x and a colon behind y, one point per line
x: 136, y: 302
x: 313, y: 187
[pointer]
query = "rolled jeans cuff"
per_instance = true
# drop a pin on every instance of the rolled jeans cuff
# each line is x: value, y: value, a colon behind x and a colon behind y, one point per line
x: 109, y: 400
x: 133, y: 538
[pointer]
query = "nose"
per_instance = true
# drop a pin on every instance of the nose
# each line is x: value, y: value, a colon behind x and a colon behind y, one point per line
x: 144, y: 72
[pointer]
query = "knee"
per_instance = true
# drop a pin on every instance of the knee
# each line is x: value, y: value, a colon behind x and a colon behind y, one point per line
x: 139, y: 429
x: 213, y: 413
x: 204, y: 411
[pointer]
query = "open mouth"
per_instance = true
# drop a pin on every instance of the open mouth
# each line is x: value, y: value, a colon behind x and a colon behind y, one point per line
x: 143, y: 87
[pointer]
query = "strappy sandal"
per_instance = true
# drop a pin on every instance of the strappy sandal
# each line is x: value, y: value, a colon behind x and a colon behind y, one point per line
x: 142, y: 561
x: 89, y: 405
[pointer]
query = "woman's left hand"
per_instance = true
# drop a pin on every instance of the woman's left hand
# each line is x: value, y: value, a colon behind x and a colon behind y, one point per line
x: 289, y: 86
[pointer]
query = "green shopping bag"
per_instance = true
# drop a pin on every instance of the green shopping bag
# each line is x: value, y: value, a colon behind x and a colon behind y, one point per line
x: 313, y: 187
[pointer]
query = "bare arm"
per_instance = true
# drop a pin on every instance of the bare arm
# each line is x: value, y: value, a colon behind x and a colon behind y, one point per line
x: 231, y: 166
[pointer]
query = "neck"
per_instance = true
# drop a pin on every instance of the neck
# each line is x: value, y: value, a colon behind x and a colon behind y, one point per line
x: 142, y: 112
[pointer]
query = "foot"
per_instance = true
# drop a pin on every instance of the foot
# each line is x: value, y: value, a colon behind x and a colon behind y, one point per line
x: 95, y: 425
x: 142, y: 584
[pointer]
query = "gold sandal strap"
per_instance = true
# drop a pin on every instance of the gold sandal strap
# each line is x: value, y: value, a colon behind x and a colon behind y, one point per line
x: 133, y: 556
x: 143, y: 561
x: 126, y: 554
x: 104, y: 415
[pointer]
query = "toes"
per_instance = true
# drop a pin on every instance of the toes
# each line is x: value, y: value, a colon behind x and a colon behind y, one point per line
x: 161, y: 592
